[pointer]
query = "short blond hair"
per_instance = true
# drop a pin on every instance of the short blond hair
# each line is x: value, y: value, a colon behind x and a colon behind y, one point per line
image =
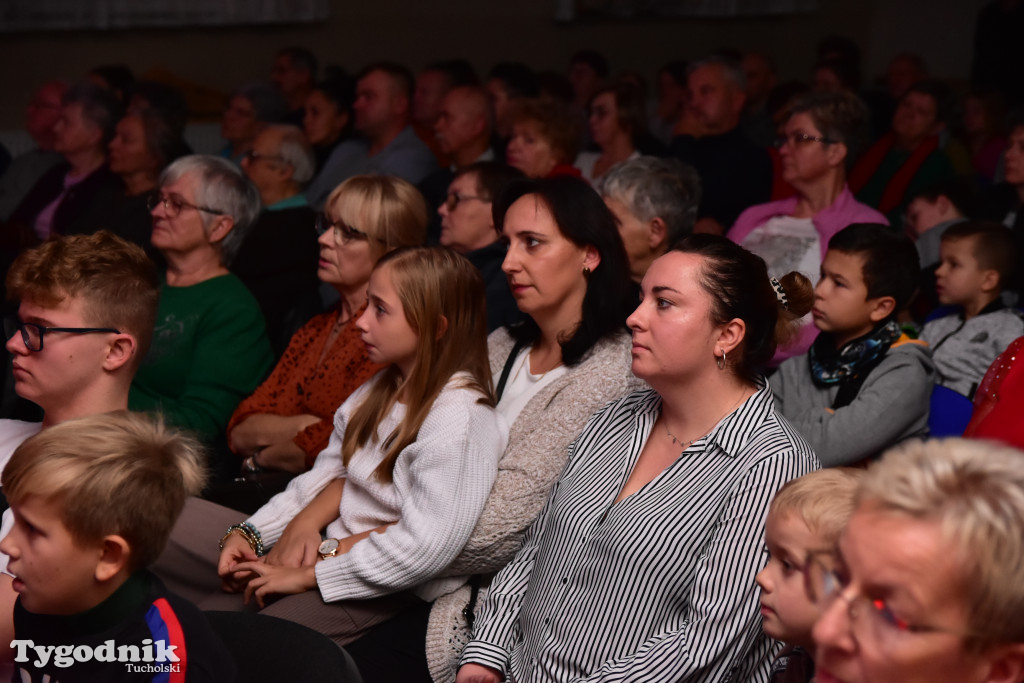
x: 391, y: 211
x: 975, y: 491
x: 114, y: 473
x: 823, y: 499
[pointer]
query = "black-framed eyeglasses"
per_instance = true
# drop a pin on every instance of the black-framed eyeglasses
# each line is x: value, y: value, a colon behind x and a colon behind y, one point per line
x: 32, y: 334
x: 801, y: 139
x: 826, y: 580
x: 454, y: 199
x: 343, y: 232
x: 253, y: 155
x: 173, y: 204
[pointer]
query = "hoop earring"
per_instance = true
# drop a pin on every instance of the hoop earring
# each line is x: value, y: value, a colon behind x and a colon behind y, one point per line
x: 721, y: 361
x: 586, y: 272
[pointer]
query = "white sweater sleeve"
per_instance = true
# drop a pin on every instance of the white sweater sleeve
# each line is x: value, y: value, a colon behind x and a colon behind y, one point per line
x: 443, y: 480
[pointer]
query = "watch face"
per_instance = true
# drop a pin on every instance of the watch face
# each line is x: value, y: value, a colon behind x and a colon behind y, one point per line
x: 329, y: 546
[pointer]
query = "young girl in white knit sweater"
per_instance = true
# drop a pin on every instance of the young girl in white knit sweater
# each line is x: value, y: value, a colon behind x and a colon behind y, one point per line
x: 408, y: 468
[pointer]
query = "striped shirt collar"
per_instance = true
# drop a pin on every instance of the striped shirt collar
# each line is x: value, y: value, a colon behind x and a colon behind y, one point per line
x: 733, y: 432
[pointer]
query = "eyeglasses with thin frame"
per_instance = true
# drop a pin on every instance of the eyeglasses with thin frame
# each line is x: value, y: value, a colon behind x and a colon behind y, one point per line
x: 801, y: 139
x: 173, y: 204
x: 343, y: 232
x: 454, y: 199
x: 32, y: 335
x: 826, y: 580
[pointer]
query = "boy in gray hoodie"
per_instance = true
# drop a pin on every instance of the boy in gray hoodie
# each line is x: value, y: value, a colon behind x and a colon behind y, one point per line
x: 864, y: 385
x: 977, y: 262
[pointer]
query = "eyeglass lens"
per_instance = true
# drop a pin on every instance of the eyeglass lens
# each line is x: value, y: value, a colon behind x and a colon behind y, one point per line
x: 31, y: 335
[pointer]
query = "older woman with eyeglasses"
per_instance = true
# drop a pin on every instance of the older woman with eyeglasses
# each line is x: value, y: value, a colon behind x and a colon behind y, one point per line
x: 209, y: 347
x: 927, y: 583
x: 289, y: 419
x: 823, y: 135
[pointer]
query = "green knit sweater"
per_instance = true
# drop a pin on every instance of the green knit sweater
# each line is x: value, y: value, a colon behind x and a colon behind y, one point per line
x: 209, y: 351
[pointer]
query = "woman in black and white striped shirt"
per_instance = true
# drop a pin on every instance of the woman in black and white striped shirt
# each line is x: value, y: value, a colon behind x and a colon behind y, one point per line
x: 641, y: 566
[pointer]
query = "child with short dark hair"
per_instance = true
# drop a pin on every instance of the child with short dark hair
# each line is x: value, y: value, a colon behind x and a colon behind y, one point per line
x: 94, y: 500
x: 864, y: 385
x: 805, y: 518
x: 977, y: 263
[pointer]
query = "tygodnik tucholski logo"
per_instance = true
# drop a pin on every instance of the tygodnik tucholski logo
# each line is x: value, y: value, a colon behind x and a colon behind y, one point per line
x: 150, y: 657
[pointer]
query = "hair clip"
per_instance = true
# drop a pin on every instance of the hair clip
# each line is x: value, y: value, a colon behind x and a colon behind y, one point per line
x: 780, y: 293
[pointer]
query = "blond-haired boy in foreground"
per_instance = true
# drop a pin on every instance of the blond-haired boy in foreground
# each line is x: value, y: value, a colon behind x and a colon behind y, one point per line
x: 806, y: 517
x: 94, y: 500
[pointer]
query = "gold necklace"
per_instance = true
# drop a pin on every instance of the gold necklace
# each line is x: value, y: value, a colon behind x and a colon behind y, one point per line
x: 676, y: 441
x: 686, y: 444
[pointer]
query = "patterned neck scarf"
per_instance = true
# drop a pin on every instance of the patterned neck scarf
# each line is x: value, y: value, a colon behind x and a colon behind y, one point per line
x: 855, y: 359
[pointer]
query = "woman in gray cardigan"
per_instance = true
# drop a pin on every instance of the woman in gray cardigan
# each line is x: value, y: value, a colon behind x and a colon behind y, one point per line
x: 568, y: 271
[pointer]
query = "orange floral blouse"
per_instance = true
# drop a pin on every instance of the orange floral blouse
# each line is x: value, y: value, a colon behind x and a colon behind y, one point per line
x: 298, y: 386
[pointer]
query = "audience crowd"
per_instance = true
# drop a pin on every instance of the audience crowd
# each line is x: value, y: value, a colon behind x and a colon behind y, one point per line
x: 523, y: 375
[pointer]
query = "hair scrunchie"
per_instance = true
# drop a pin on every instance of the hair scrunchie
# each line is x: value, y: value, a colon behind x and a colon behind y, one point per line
x: 780, y: 293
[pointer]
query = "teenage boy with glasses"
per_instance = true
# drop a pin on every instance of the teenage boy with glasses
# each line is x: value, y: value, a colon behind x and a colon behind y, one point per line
x: 86, y: 309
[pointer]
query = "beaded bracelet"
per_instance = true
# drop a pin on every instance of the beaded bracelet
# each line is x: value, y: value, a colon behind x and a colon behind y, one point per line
x: 251, y: 535
x: 255, y: 539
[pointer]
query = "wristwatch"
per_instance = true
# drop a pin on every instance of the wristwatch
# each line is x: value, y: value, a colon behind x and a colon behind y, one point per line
x: 328, y: 548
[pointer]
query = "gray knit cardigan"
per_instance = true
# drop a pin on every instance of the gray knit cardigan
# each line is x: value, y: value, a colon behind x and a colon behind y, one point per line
x: 537, y: 450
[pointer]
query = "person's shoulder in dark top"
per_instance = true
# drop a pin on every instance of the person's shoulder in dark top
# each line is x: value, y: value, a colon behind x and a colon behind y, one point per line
x: 141, y: 617
x: 735, y: 173
x: 434, y: 189
x: 85, y: 207
x: 793, y: 665
x: 277, y: 261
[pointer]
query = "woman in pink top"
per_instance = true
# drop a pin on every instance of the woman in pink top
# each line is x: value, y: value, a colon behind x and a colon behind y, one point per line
x: 823, y: 135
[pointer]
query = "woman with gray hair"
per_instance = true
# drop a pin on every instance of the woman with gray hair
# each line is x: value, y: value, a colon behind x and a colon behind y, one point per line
x: 823, y: 136
x: 655, y: 203
x: 210, y: 347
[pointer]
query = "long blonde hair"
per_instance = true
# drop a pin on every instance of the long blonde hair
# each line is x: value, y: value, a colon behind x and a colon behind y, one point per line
x: 443, y: 301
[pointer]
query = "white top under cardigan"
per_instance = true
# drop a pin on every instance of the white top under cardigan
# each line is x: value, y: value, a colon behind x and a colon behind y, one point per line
x: 441, y: 482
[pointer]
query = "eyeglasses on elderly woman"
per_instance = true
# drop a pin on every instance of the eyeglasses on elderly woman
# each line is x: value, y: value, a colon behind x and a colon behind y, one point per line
x: 173, y: 204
